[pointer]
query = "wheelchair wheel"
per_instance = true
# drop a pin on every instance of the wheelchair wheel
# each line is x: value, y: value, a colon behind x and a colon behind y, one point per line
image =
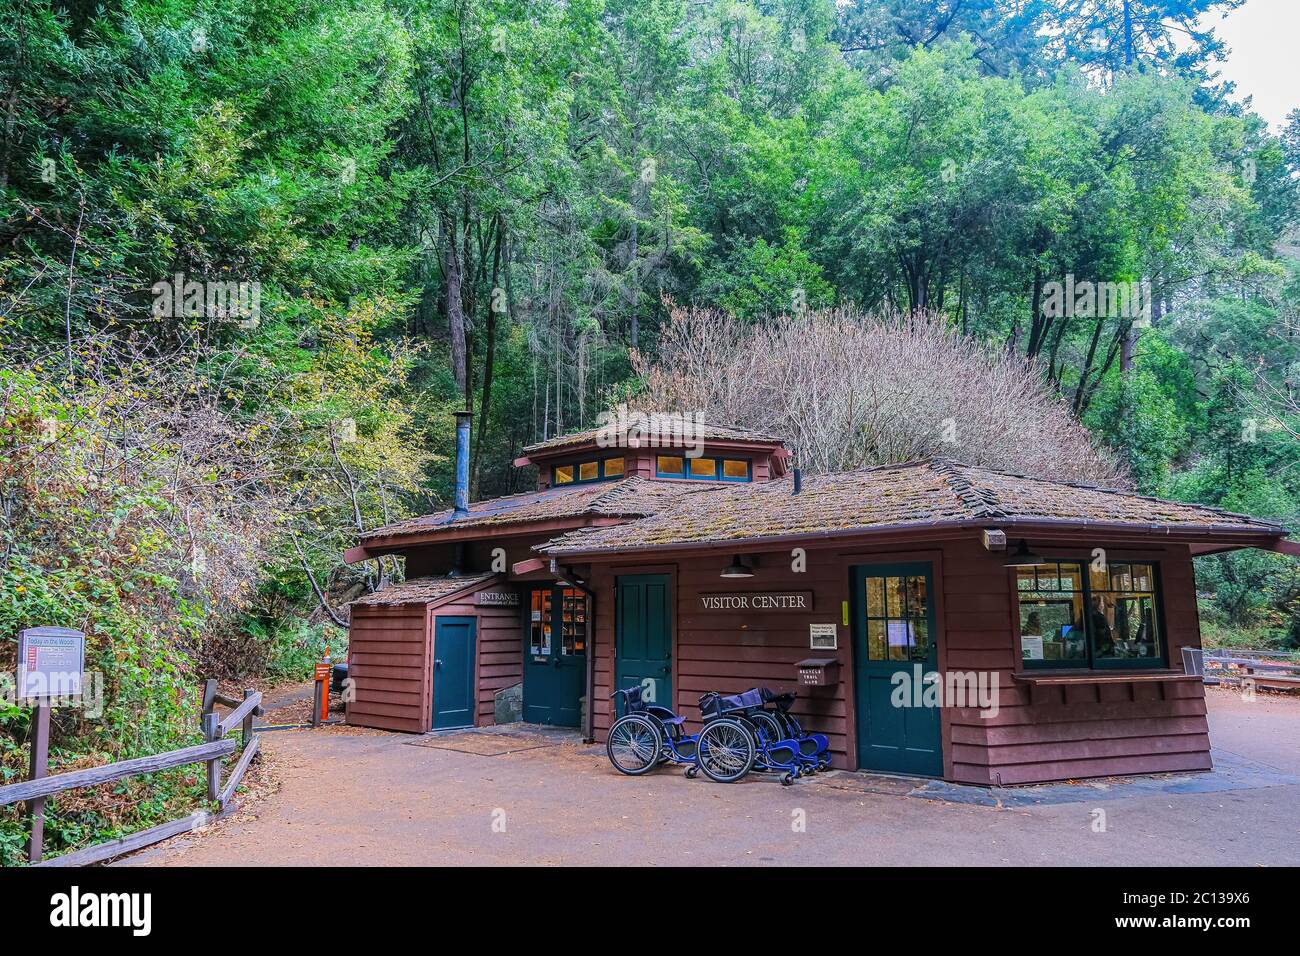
x: 634, y: 745
x: 768, y: 724
x: 726, y: 750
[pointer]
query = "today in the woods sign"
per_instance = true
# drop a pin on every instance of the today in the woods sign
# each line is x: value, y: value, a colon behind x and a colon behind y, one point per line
x: 757, y: 601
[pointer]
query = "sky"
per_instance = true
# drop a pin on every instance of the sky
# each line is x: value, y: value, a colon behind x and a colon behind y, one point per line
x: 1264, y: 62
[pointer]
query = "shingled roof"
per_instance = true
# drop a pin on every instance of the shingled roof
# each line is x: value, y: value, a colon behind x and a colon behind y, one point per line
x: 922, y: 493
x: 629, y: 498
x: 655, y: 423
x: 423, y: 590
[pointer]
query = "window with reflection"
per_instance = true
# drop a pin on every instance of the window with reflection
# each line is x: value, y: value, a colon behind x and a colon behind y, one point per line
x: 1077, y: 615
x: 670, y: 466
x: 573, y: 621
x: 1051, y: 614
x: 557, y: 612
x: 539, y: 624
x: 735, y: 469
x: 703, y: 468
x: 597, y: 469
x: 897, y: 622
x: 1124, y: 613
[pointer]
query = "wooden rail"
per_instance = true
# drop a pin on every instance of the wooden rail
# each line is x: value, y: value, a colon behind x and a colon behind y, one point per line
x: 215, y: 746
x: 1263, y: 669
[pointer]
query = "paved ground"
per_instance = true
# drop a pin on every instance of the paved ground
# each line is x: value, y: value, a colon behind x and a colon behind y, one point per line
x: 353, y: 797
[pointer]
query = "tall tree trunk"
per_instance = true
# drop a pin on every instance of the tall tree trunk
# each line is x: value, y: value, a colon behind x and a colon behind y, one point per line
x: 1086, y: 371
x: 455, y: 302
x: 11, y: 105
x: 489, y: 359
x: 1037, y: 321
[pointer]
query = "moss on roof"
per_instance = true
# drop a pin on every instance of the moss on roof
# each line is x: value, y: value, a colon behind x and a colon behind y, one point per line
x: 423, y: 590
x: 628, y: 498
x: 922, y: 493
x: 654, y: 423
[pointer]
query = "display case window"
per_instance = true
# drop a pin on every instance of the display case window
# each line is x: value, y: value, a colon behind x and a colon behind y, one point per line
x: 1105, y: 617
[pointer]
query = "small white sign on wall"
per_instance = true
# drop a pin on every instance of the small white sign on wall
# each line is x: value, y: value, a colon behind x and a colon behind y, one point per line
x: 823, y: 637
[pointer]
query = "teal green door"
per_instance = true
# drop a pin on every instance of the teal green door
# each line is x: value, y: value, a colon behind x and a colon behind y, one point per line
x: 897, y: 659
x: 643, y: 644
x: 555, y: 656
x: 453, y: 672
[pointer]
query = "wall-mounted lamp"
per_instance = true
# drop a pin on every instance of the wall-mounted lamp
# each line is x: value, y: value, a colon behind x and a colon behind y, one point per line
x: 736, y: 569
x: 1024, y: 558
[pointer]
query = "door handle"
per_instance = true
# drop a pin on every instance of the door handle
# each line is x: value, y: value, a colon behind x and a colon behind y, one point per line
x: 668, y: 669
x: 437, y: 662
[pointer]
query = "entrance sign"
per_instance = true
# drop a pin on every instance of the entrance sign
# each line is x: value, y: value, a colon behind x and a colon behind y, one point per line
x: 50, y: 663
x: 497, y: 599
x: 757, y: 601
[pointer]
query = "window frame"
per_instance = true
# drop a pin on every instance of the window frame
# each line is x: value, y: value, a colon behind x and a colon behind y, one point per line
x: 577, y: 464
x: 556, y: 595
x: 1161, y: 660
x: 718, y: 474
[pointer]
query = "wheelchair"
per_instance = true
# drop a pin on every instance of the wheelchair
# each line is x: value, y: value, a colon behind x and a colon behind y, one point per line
x: 740, y: 735
x: 814, y: 749
x: 648, y: 736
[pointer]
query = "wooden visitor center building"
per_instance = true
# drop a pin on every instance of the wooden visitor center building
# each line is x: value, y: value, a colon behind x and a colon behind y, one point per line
x: 935, y: 618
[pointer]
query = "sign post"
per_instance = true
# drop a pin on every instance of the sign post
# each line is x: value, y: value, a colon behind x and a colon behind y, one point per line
x: 40, y: 766
x: 51, y: 661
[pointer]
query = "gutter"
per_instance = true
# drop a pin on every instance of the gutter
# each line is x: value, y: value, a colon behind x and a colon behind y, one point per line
x: 1173, y: 533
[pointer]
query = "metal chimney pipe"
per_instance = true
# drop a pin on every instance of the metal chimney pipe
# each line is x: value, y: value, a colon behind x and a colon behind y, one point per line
x: 798, y: 481
x: 462, y: 463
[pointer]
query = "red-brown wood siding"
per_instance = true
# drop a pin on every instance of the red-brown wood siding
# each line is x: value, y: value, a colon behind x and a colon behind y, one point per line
x: 1039, y: 734
x: 389, y: 666
x: 498, y: 649
x: 731, y: 652
x: 391, y: 651
x: 1067, y: 731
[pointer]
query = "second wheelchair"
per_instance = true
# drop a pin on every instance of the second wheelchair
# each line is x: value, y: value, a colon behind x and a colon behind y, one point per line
x: 740, y: 734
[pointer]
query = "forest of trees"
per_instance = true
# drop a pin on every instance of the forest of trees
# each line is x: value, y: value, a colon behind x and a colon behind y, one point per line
x: 410, y: 206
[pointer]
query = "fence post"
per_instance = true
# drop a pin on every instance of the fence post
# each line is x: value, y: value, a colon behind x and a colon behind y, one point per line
x: 209, y: 696
x: 248, y: 722
x: 210, y: 722
x: 316, y: 703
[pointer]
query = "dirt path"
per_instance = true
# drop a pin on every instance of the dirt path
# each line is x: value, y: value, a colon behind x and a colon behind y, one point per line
x: 355, y: 797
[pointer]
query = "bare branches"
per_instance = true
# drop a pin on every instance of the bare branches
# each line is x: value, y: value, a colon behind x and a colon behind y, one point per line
x: 850, y: 389
x: 320, y: 595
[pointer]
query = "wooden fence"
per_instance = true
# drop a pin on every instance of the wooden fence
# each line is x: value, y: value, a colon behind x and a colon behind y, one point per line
x: 1274, y: 671
x: 216, y: 745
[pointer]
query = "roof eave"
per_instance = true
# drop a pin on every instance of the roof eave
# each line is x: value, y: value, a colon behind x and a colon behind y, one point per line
x: 472, y: 583
x: 450, y: 534
x: 1223, y: 537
